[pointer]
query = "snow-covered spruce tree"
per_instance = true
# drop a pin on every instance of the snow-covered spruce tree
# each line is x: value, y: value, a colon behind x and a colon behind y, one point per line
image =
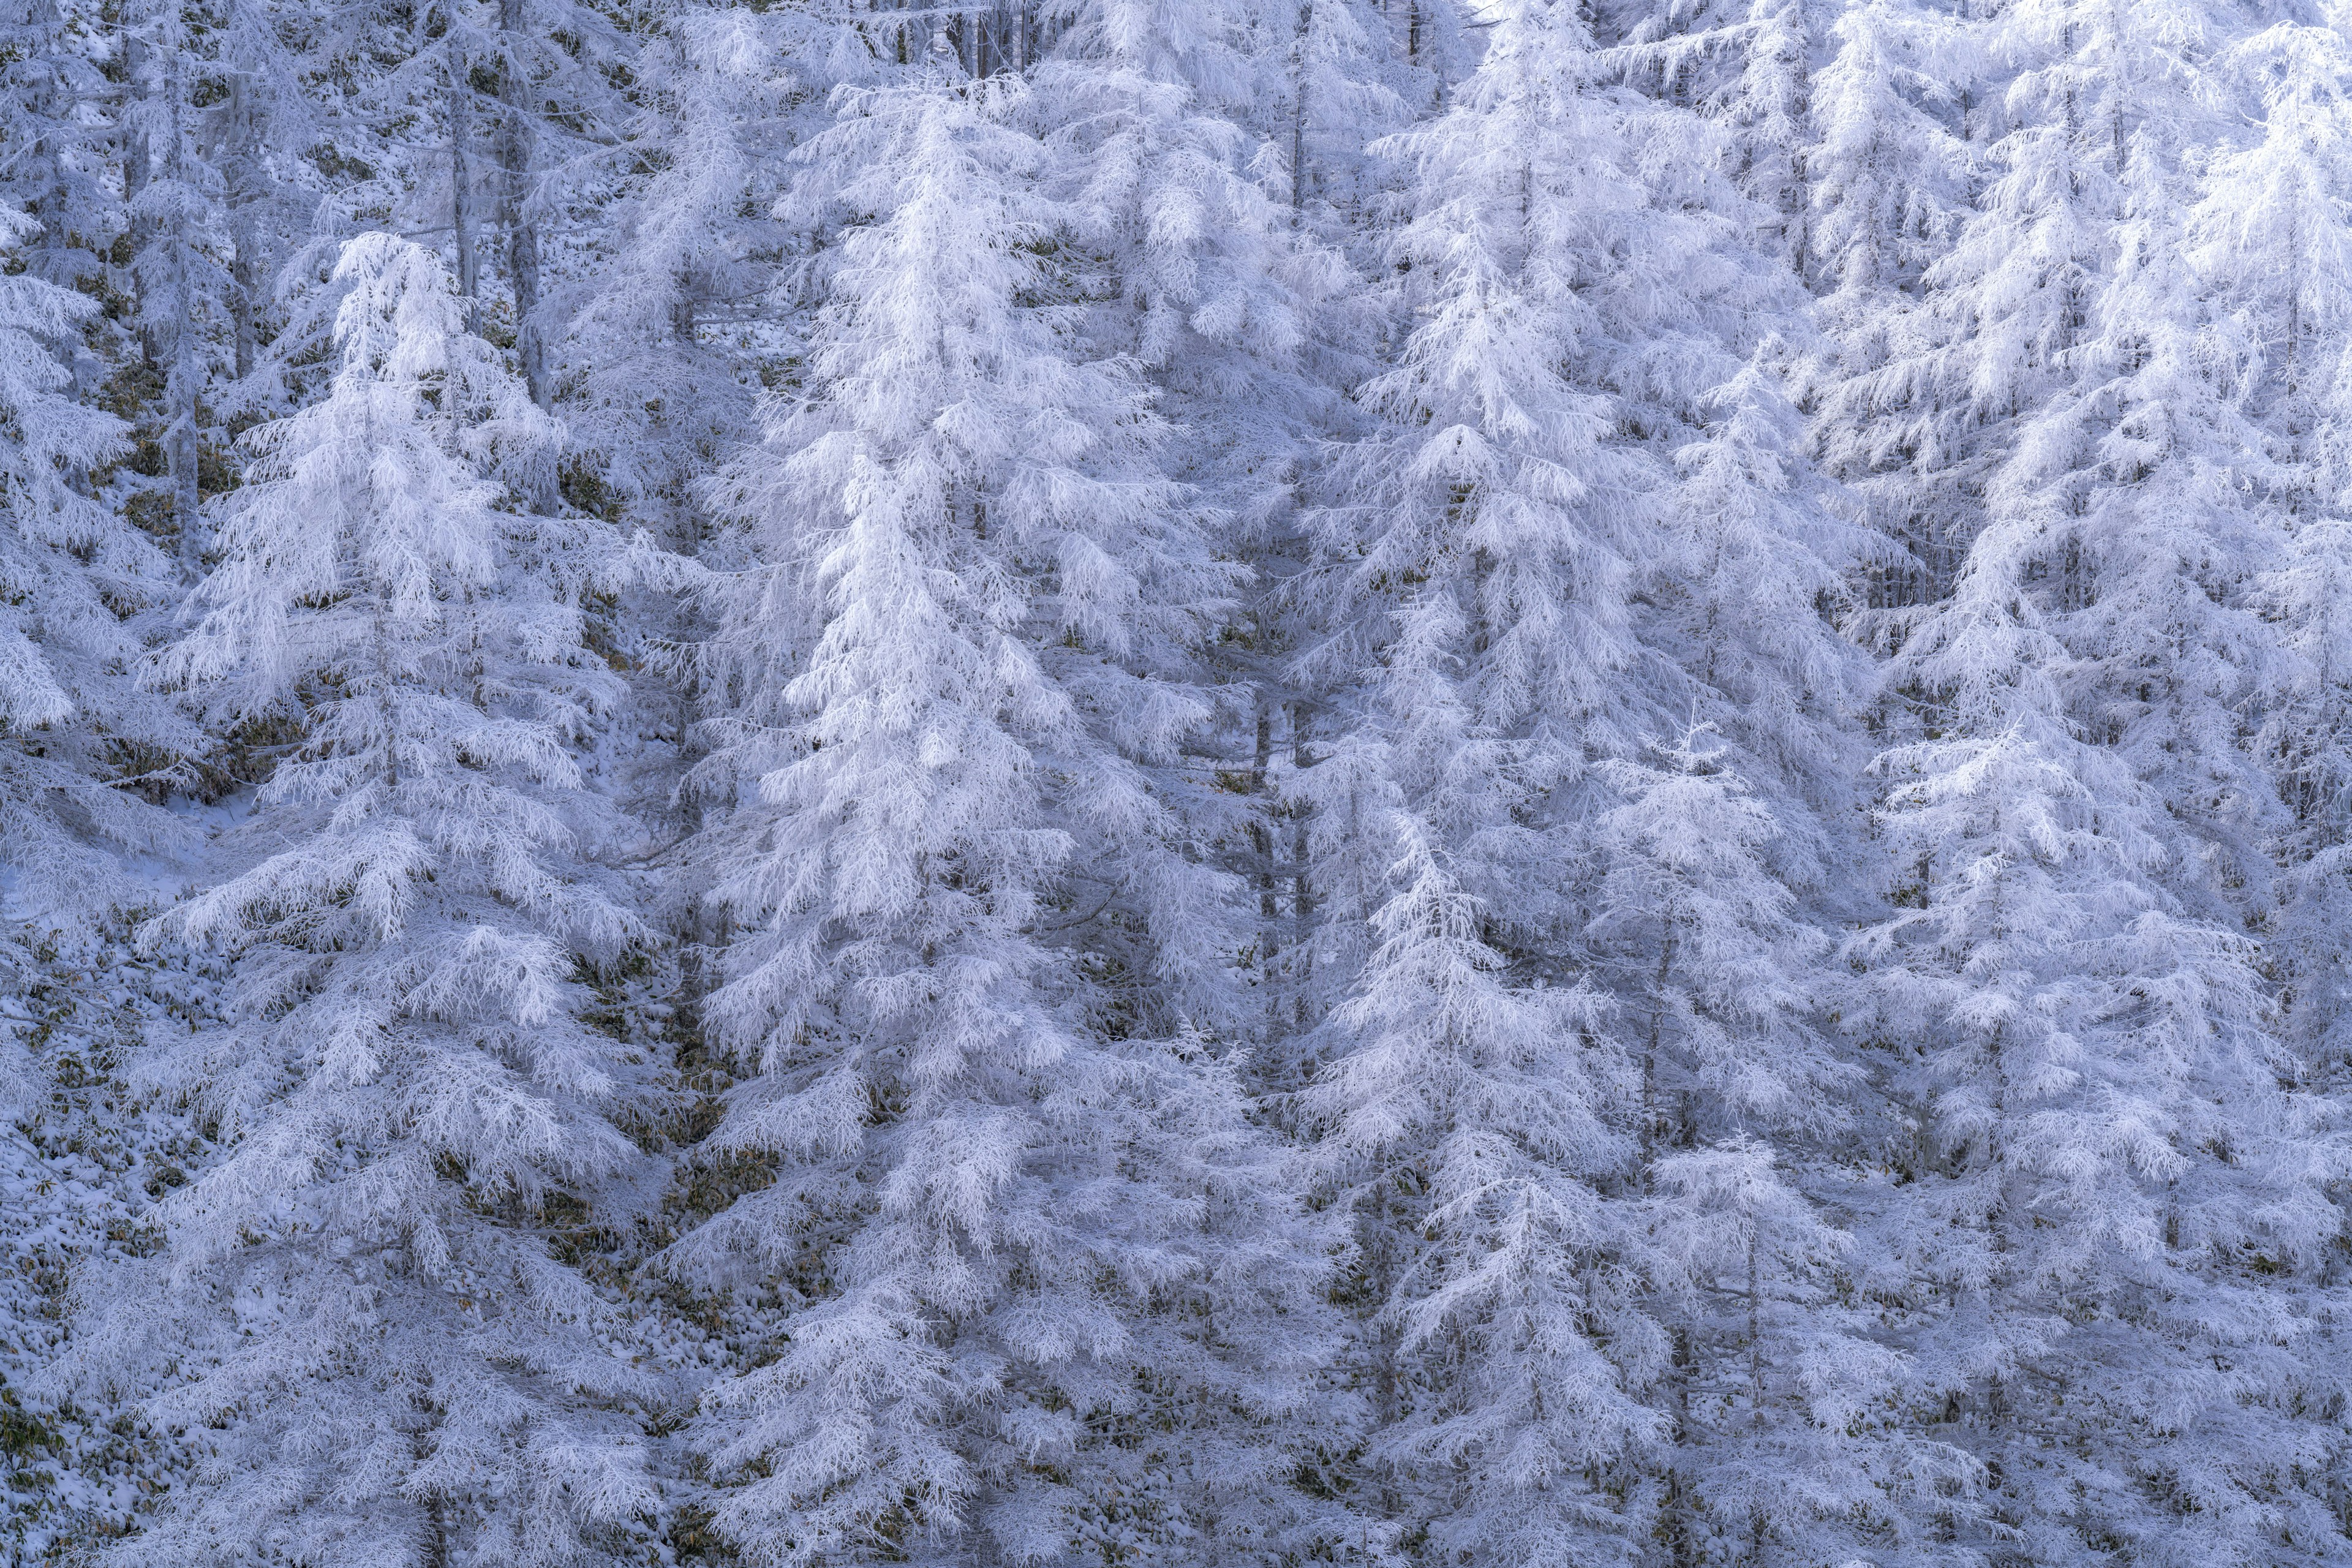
x: 1744, y: 595
x: 62, y: 172
x: 687, y: 307
x: 1190, y: 141
x: 660, y: 363
x: 273, y: 168
x: 1727, y: 1047
x: 1890, y: 176
x: 1747, y: 66
x: 540, y: 80
x: 1043, y: 1294
x: 186, y: 300
x: 2098, y: 1233
x: 1786, y: 1441
x: 1488, y: 528
x: 2150, y: 484
x: 1480, y: 567
x: 2271, y: 240
x: 2270, y: 232
x: 491, y: 121
x: 257, y: 114
x: 2111, y: 1214
x: 2154, y: 488
x: 1464, y: 1122
x: 1584, y: 310
x: 1345, y: 79
x: 1779, y: 1395
x: 2007, y: 301
x: 357, y: 1304
x: 75, y: 579
x: 2108, y: 1241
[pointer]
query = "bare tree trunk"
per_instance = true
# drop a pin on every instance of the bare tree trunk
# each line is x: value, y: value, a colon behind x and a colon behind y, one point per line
x: 517, y: 213
x: 1302, y: 893
x: 245, y: 266
x: 1299, y: 115
x: 1261, y: 832
x: 461, y: 196
x: 185, y: 379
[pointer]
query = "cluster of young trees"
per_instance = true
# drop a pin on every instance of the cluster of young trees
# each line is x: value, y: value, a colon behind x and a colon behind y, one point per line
x: 1489, y: 783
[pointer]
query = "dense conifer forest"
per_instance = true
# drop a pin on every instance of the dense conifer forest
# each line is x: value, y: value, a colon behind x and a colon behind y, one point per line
x: 1176, y: 784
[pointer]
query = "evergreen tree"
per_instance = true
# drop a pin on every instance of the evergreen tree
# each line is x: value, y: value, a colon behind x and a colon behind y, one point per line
x: 2267, y: 231
x: 1467, y: 1123
x: 1044, y: 1293
x: 1486, y: 551
x: 1891, y: 180
x: 1531, y: 782
x: 79, y: 587
x: 365, y: 1297
x: 185, y: 298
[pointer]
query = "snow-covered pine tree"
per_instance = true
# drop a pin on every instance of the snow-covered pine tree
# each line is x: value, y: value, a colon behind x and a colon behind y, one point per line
x: 1747, y: 66
x: 1729, y: 1046
x: 1190, y: 144
x: 1779, y: 1396
x: 187, y: 301
x: 1746, y: 595
x: 494, y: 120
x: 359, y: 1300
x: 2100, y: 1187
x: 1044, y: 1293
x: 2110, y: 1243
x: 2272, y: 238
x: 1890, y: 174
x: 1480, y: 563
x: 662, y: 359
x: 1466, y: 1124
x: 76, y: 579
x: 62, y: 172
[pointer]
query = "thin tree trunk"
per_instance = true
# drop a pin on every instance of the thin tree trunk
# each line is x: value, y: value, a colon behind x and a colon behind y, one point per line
x: 1302, y: 893
x: 1299, y: 115
x: 182, y: 449
x: 516, y: 211
x: 461, y: 197
x: 1269, y: 900
x: 245, y: 265
x: 169, y: 334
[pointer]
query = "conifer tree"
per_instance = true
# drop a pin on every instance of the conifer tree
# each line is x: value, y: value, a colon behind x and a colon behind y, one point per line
x: 1205, y: 180
x: 187, y: 299
x: 1465, y: 1123
x: 361, y: 1295
x: 2269, y: 227
x: 1892, y: 173
x: 1521, y: 781
x: 1485, y: 546
x: 79, y: 587
x: 1043, y: 1291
